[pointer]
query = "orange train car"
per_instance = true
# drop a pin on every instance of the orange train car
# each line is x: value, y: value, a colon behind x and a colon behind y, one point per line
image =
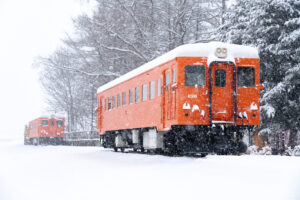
x: 45, y: 130
x: 197, y: 98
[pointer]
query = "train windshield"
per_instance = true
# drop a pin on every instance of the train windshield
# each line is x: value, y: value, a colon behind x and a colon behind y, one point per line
x: 245, y: 76
x: 59, y: 123
x: 44, y: 122
x: 194, y: 75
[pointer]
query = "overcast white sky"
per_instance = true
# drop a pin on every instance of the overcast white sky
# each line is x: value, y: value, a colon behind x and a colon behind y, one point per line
x: 28, y: 29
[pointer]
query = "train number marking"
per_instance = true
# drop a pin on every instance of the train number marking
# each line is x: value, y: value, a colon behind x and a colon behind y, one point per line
x: 192, y: 96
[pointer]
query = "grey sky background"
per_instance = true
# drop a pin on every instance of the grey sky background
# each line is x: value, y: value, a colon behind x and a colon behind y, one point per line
x: 29, y: 29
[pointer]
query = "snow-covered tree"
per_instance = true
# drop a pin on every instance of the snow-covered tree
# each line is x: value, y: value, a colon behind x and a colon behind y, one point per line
x: 274, y: 27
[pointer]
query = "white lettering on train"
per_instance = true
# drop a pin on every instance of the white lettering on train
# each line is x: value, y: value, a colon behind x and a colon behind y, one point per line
x: 192, y: 96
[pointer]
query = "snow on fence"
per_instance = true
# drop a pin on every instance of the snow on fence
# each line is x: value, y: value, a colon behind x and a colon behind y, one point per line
x: 82, y: 138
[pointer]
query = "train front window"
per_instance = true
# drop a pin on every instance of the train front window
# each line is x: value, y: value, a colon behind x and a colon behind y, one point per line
x: 59, y: 123
x: 245, y: 76
x: 220, y: 78
x: 52, y: 123
x: 44, y: 122
x: 194, y: 75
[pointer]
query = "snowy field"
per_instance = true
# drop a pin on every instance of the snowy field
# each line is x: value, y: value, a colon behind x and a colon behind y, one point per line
x: 87, y: 173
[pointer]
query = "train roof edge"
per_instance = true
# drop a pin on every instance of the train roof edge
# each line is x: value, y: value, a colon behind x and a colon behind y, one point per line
x: 48, y: 117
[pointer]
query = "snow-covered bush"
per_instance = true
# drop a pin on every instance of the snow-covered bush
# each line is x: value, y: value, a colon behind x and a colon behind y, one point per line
x: 252, y: 150
x: 296, y: 151
x: 265, y: 151
x: 288, y: 151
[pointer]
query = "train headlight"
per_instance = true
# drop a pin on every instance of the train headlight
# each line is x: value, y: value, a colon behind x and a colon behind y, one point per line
x: 221, y: 52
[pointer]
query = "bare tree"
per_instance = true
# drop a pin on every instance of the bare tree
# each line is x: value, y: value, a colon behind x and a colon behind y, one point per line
x: 120, y: 36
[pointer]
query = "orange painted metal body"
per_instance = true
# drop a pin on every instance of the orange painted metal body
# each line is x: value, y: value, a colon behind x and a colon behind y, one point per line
x: 37, y: 130
x: 166, y: 109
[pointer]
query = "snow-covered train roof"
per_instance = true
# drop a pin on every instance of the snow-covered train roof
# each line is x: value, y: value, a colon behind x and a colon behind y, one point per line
x: 189, y: 50
x: 52, y: 116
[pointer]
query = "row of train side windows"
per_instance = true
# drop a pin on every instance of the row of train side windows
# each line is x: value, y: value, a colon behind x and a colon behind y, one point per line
x: 58, y: 122
x: 115, y: 101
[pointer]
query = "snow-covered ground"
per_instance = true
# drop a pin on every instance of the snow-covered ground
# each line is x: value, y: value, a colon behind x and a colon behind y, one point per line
x: 87, y: 173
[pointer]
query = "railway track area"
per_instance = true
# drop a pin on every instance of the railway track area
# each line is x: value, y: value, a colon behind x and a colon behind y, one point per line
x: 67, y: 172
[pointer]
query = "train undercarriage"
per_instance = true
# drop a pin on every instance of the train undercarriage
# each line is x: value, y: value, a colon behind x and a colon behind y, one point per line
x: 180, y: 140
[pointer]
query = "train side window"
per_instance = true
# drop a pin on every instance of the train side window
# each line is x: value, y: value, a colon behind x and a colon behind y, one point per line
x: 174, y: 75
x: 124, y: 98
x: 60, y: 123
x: 137, y: 94
x: 114, y: 101
x: 105, y: 107
x: 158, y: 87
x: 118, y: 100
x: 167, y: 79
x: 145, y: 92
x: 44, y: 122
x: 194, y: 75
x: 152, y: 89
x: 130, y: 96
x: 109, y: 103
x: 220, y: 78
x: 245, y: 77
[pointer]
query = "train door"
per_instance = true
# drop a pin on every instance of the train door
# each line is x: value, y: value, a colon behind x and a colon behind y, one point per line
x: 100, y: 113
x: 52, y: 127
x: 222, y: 88
x: 173, y: 94
x: 166, y: 93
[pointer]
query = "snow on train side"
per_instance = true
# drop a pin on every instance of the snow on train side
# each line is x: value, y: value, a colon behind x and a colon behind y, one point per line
x: 197, y: 98
x: 45, y: 130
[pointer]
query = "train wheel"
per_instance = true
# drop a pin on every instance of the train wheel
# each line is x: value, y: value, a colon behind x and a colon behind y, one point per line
x: 123, y: 149
x: 115, y: 149
x: 142, y: 150
x: 202, y: 155
x: 242, y: 147
x: 35, y: 141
